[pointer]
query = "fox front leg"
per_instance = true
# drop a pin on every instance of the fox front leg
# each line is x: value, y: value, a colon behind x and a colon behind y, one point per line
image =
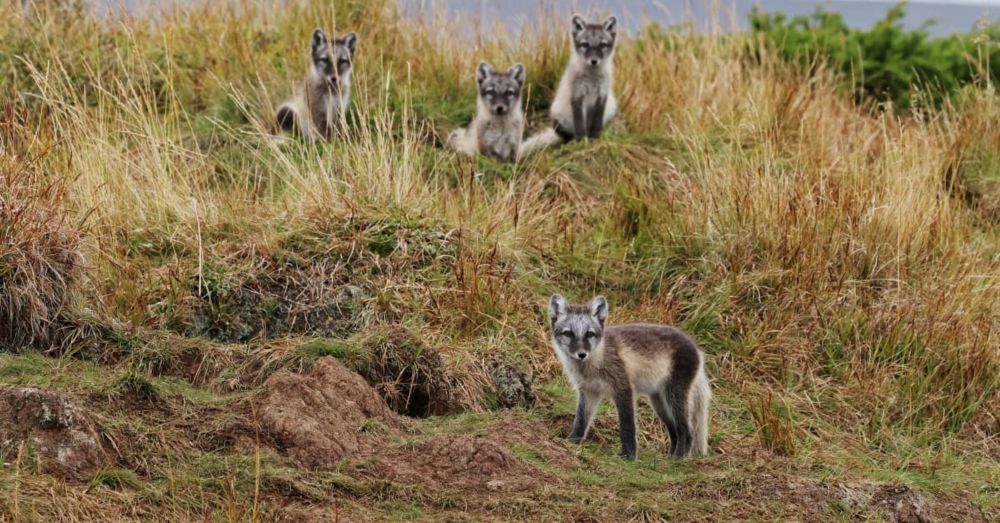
x: 585, y: 409
x: 595, y: 120
x: 579, y: 121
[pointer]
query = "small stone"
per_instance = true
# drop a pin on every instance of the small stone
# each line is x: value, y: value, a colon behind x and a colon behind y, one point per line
x: 902, y: 504
x: 494, y: 484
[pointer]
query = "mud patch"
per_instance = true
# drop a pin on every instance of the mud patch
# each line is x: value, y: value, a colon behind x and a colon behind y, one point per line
x: 284, y: 296
x: 409, y: 375
x: 321, y: 418
x: 49, y: 432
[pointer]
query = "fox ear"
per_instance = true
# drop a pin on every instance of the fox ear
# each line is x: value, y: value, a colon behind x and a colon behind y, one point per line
x: 599, y: 308
x: 557, y: 307
x: 483, y: 71
x: 517, y: 73
x: 611, y: 24
x: 579, y: 24
x: 351, y: 41
x: 318, y: 39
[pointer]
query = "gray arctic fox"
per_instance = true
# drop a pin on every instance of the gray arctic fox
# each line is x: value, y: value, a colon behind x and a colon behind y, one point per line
x: 317, y: 107
x: 584, y: 100
x: 658, y: 362
x: 498, y: 125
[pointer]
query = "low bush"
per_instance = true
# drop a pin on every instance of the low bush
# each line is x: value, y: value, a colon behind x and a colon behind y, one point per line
x: 887, y: 62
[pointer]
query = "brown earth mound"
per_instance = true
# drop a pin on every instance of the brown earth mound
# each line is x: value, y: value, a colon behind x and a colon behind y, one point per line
x: 45, y: 424
x: 459, y: 461
x: 320, y: 419
x: 513, y: 432
x: 333, y: 417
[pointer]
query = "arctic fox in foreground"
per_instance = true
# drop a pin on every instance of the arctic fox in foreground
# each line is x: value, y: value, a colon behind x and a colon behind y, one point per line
x: 657, y: 362
x: 584, y: 100
x: 317, y: 107
x: 499, y: 123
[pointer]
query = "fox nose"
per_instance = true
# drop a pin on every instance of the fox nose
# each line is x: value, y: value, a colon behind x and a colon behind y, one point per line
x: 501, y: 109
x: 593, y: 61
x: 581, y: 355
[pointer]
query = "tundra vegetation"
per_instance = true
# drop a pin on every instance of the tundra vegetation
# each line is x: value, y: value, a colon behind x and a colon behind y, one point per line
x: 169, y: 269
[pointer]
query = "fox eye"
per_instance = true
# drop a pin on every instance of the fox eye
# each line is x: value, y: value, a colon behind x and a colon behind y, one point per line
x: 490, y: 90
x: 510, y: 92
x: 568, y: 333
x: 343, y: 62
x: 585, y: 45
x: 591, y: 334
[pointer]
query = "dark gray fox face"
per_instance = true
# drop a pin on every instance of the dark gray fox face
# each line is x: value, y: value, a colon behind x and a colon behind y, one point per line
x: 594, y: 43
x: 500, y: 93
x: 333, y: 62
x: 577, y: 330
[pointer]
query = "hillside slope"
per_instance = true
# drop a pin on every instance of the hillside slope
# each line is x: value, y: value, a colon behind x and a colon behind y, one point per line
x: 197, y: 298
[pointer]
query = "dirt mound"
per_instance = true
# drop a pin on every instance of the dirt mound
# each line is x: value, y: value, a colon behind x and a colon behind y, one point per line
x: 321, y: 418
x: 459, y: 461
x: 513, y: 433
x: 408, y: 374
x: 47, y: 427
x: 450, y: 456
x: 332, y: 417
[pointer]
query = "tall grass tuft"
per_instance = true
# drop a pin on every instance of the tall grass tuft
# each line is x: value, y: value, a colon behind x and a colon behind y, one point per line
x: 40, y: 240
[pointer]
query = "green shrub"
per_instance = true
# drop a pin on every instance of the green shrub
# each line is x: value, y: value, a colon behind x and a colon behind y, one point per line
x: 887, y: 62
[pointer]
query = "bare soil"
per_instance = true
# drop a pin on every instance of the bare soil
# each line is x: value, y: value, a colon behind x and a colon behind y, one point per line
x: 338, y: 452
x: 333, y: 416
x: 44, y: 430
x: 319, y: 419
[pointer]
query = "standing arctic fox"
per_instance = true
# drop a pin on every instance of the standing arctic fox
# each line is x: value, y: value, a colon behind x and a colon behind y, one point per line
x: 319, y: 102
x: 658, y: 362
x: 499, y: 123
x: 584, y: 100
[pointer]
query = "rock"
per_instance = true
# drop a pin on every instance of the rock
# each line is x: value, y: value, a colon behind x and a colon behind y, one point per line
x: 494, y: 484
x: 901, y: 504
x: 511, y: 386
x: 49, y: 425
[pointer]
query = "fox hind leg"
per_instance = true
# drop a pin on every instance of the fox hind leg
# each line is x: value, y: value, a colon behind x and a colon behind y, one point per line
x: 662, y: 409
x: 675, y: 396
